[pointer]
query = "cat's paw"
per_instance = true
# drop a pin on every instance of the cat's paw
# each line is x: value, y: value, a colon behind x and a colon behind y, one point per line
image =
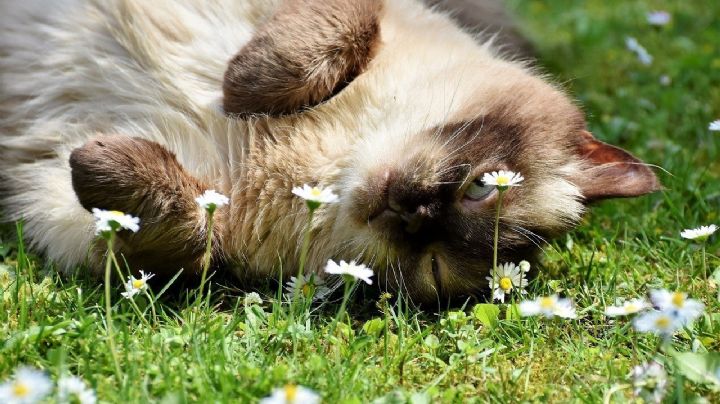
x: 144, y: 179
x: 117, y: 172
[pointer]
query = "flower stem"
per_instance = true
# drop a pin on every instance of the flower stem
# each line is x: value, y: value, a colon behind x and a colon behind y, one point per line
x: 495, y: 240
x: 303, y: 258
x: 704, y: 262
x: 207, y: 255
x: 343, y: 305
x: 108, y: 306
x: 306, y: 244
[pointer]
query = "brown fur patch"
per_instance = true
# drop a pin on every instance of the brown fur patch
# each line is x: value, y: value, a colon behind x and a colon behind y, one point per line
x: 144, y: 179
x: 305, y: 53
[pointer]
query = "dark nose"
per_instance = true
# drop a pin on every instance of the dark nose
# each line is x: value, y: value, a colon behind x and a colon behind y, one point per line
x: 414, y: 202
x: 413, y: 218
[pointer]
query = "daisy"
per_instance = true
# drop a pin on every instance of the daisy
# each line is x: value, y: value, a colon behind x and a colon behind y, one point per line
x: 633, y: 45
x: 649, y: 381
x: 548, y: 306
x: 701, y: 233
x: 135, y: 285
x: 628, y: 307
x: 292, y: 394
x: 658, y: 18
x: 502, y: 179
x: 27, y: 386
x: 506, y: 278
x: 657, y: 322
x: 349, y: 271
x: 112, y: 220
x: 714, y: 125
x: 73, y: 386
x: 212, y: 200
x: 315, y: 196
x: 307, y: 286
x: 677, y: 304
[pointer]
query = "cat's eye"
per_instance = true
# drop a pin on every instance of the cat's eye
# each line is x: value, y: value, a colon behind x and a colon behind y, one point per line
x: 478, y: 190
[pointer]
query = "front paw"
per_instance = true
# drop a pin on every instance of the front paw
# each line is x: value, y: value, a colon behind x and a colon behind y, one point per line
x: 111, y: 172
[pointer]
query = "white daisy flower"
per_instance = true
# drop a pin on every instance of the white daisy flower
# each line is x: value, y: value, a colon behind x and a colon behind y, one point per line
x: 27, y: 386
x: 113, y: 220
x: 642, y: 54
x: 353, y: 270
x: 658, y: 18
x: 211, y: 200
x: 73, y: 386
x: 314, y: 196
x: 307, y: 286
x: 548, y: 306
x: 657, y: 322
x: 715, y: 125
x: 502, y: 179
x: 649, y: 382
x: 701, y: 233
x: 135, y: 285
x: 506, y: 278
x: 677, y: 304
x: 627, y: 308
x: 292, y: 394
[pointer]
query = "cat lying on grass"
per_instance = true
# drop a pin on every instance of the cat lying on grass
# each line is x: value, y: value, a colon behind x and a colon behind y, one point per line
x: 142, y: 106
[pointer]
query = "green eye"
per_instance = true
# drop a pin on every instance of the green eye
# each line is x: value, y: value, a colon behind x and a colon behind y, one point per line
x: 478, y: 190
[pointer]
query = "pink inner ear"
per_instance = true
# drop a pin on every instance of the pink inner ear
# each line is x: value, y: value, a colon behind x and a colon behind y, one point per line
x: 611, y: 172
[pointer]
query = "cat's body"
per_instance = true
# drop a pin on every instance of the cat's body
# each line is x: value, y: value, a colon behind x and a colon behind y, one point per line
x: 402, y: 122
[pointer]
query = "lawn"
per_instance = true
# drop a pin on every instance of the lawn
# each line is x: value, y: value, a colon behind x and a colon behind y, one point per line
x: 231, y: 348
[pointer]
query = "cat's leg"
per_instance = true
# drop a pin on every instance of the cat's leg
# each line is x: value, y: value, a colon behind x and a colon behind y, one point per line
x: 144, y: 179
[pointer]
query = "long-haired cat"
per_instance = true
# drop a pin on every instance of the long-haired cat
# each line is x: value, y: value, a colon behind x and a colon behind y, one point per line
x: 141, y: 106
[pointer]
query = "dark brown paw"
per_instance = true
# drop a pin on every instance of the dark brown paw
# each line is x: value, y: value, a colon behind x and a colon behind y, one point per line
x: 104, y: 173
x: 144, y: 179
x: 130, y: 174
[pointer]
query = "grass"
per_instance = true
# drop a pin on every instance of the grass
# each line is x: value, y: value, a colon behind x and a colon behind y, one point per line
x: 229, y: 351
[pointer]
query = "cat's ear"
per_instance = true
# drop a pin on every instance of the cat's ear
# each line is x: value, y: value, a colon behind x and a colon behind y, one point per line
x: 611, y: 172
x: 303, y: 55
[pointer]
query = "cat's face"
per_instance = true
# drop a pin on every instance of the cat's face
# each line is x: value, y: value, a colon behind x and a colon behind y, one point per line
x: 426, y: 111
x: 414, y: 204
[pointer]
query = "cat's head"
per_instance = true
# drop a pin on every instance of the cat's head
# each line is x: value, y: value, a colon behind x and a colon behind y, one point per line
x: 423, y: 111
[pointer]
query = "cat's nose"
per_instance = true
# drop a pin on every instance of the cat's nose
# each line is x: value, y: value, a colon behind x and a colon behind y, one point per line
x: 413, y: 216
x: 410, y: 200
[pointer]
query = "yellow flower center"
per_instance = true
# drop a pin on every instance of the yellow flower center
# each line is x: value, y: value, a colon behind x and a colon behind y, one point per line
x: 307, y: 289
x: 502, y: 180
x: 20, y: 389
x: 632, y: 308
x: 315, y: 192
x: 662, y: 322
x: 116, y: 213
x: 678, y: 299
x: 290, y: 393
x: 505, y: 284
x: 546, y: 303
x: 138, y: 283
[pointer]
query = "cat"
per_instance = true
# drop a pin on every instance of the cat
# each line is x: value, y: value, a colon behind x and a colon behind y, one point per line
x: 142, y: 106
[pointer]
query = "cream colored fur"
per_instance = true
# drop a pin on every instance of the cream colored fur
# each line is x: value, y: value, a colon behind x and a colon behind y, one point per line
x: 154, y: 69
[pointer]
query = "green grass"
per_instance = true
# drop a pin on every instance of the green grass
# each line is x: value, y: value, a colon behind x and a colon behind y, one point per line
x: 232, y: 352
